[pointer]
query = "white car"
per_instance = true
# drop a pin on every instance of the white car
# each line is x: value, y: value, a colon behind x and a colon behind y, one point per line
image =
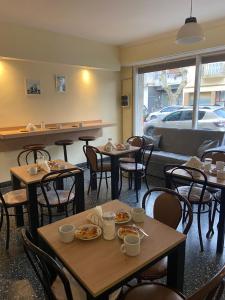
x: 163, y: 112
x: 209, y: 119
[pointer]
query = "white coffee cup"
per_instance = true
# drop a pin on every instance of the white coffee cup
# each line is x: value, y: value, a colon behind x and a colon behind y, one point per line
x: 220, y: 174
x: 138, y: 214
x: 131, y: 245
x: 220, y: 165
x: 33, y: 170
x: 66, y: 233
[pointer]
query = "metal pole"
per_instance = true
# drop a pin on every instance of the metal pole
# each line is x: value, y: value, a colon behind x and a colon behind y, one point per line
x: 196, y: 91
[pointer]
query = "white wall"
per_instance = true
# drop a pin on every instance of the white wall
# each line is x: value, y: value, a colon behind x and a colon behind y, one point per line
x: 91, y: 94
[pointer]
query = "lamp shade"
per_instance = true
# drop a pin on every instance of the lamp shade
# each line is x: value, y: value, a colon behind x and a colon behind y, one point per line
x: 191, y: 32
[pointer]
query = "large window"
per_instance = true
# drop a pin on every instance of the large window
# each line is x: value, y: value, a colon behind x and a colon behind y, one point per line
x: 167, y: 93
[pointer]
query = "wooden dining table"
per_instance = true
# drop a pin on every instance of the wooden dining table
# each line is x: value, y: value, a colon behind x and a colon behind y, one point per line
x: 115, y: 155
x: 20, y: 174
x: 212, y: 181
x: 99, y: 265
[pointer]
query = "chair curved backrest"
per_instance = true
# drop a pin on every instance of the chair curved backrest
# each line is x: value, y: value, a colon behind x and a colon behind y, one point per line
x: 45, y: 267
x: 167, y: 207
x: 27, y: 156
x: 143, y: 156
x: 218, y: 155
x: 191, y: 176
x: 92, y: 154
x: 136, y: 141
x: 213, y: 288
x: 54, y: 178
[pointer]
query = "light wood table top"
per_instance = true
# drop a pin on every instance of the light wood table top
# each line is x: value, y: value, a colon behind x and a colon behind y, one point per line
x: 118, y: 152
x: 21, y: 132
x: 99, y: 264
x: 212, y: 179
x: 21, y: 172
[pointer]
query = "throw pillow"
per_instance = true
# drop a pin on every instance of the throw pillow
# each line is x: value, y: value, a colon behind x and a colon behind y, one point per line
x: 153, y: 139
x: 206, y: 145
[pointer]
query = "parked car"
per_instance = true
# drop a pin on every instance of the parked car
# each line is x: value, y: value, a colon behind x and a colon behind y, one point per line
x: 209, y: 119
x: 163, y: 112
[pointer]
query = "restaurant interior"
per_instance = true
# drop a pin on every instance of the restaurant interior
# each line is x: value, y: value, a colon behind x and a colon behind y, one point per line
x: 112, y: 149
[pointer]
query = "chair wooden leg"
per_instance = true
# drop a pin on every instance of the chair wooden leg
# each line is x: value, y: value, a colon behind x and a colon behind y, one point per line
x: 99, y: 186
x: 211, y: 230
x: 89, y: 187
x: 199, y: 228
x: 130, y: 179
x: 146, y: 182
x: 136, y: 185
x: 42, y: 223
x: 1, y: 219
x: 7, y: 229
x: 121, y: 182
x: 106, y: 181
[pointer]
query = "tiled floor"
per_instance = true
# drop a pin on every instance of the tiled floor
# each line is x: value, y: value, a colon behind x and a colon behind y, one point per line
x: 199, y: 267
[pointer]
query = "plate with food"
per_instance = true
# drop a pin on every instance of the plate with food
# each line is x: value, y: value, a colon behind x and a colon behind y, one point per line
x: 122, y: 217
x: 120, y: 147
x: 88, y: 232
x: 129, y: 229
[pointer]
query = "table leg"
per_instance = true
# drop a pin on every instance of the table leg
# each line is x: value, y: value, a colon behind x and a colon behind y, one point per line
x: 114, y: 177
x: 175, y: 270
x: 79, y: 192
x: 33, y: 209
x: 221, y: 225
x: 19, y: 209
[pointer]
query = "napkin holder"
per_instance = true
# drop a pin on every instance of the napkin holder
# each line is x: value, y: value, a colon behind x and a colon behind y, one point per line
x: 194, y: 162
x: 95, y: 219
x: 96, y: 216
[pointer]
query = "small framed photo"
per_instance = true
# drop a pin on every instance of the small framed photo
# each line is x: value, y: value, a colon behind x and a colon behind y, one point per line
x: 33, y: 87
x: 60, y: 83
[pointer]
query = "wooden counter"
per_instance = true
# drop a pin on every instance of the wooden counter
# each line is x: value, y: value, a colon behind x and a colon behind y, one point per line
x: 13, y: 138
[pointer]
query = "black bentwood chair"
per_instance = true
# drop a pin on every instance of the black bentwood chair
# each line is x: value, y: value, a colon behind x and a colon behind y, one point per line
x: 54, y: 196
x: 157, y: 291
x: 51, y: 275
x: 215, y: 155
x: 8, y: 202
x: 167, y: 209
x: 56, y: 281
x: 29, y: 156
x: 137, y: 169
x: 196, y: 194
x: 136, y: 141
x: 97, y: 166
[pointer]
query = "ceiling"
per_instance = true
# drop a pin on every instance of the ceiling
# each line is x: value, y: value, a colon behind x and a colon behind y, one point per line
x: 115, y: 22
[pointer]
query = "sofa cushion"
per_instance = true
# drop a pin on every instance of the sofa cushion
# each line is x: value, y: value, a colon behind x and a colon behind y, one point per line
x: 186, y: 141
x: 164, y: 157
x: 206, y: 145
x: 153, y: 139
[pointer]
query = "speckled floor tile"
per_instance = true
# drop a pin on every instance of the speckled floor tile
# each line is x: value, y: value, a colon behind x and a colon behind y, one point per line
x: 199, y: 267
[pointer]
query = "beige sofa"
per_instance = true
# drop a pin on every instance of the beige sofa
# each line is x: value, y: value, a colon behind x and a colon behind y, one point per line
x: 178, y: 145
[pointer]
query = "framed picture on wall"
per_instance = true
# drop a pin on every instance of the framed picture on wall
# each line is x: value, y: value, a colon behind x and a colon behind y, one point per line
x: 60, y: 83
x: 33, y: 87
